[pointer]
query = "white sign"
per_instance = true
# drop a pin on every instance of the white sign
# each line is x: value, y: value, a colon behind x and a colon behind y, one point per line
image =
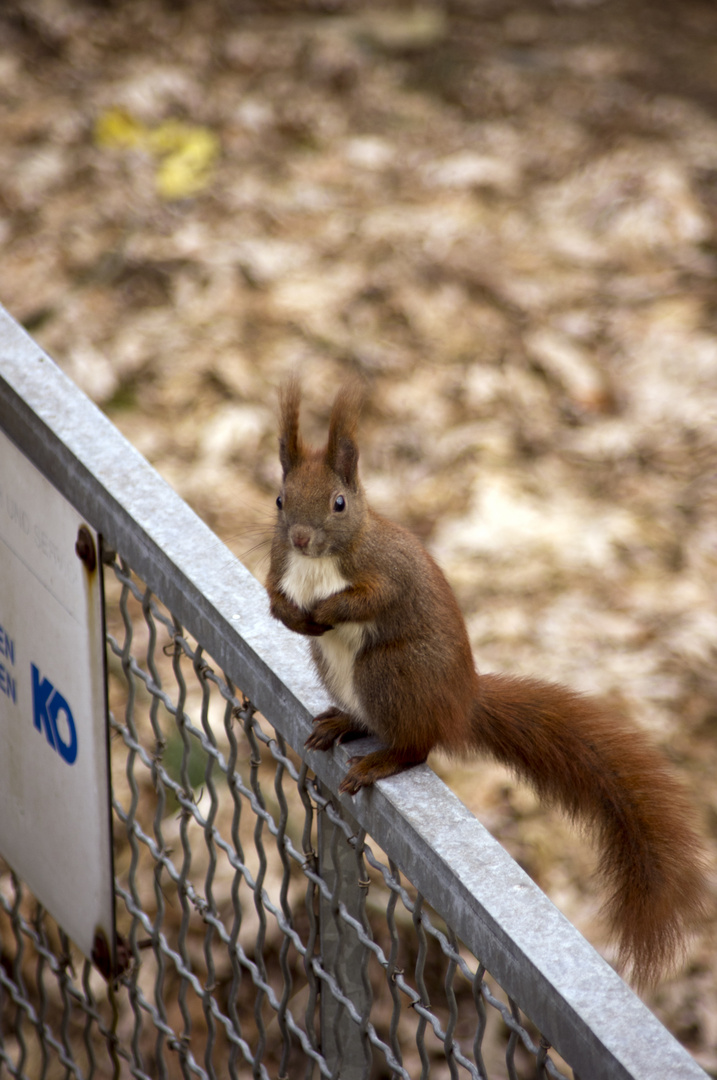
x: 55, y: 828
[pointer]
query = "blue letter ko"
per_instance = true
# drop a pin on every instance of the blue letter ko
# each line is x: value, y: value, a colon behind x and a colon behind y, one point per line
x: 47, y: 704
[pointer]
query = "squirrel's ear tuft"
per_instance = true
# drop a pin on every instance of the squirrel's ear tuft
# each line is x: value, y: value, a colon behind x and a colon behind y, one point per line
x: 291, y: 448
x: 342, y: 452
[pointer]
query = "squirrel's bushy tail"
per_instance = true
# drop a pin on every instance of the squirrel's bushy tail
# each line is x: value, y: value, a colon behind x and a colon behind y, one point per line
x: 606, y: 774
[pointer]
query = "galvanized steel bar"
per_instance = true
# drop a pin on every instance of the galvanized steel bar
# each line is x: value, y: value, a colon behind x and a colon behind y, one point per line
x: 344, y: 1044
x: 580, y: 1005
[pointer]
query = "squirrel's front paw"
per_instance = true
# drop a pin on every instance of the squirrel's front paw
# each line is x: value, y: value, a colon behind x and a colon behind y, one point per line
x: 297, y: 619
x: 314, y: 629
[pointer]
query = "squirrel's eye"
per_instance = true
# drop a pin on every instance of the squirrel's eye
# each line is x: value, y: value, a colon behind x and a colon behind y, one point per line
x: 339, y: 504
x: 279, y: 501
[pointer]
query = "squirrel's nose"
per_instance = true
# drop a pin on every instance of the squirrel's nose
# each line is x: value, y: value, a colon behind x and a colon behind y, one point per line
x: 300, y: 536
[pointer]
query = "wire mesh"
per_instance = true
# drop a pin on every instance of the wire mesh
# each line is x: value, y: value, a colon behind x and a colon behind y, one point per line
x: 261, y: 933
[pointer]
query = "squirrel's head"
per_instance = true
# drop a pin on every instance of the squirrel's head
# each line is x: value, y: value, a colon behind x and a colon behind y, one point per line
x: 322, y: 505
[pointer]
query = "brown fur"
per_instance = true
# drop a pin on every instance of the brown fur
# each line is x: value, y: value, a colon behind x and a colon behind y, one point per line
x: 416, y: 687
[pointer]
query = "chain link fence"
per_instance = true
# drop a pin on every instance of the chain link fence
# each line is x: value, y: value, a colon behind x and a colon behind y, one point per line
x: 261, y: 933
x: 265, y: 927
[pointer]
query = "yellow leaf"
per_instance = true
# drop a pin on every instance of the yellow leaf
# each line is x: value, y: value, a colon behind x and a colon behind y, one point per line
x: 186, y: 167
x: 186, y: 152
x: 116, y: 127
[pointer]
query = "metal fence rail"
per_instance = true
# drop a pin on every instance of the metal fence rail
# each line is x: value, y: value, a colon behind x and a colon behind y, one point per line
x: 269, y: 928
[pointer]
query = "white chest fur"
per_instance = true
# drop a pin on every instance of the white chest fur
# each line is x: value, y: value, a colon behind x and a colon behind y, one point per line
x: 306, y: 581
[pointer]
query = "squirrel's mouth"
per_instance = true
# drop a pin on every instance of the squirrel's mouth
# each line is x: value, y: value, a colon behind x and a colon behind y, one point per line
x: 307, y: 553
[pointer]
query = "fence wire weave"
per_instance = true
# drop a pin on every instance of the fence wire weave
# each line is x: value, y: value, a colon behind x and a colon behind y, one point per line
x: 230, y: 860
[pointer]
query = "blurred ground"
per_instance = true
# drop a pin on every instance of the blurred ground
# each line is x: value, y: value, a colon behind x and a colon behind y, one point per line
x: 504, y: 216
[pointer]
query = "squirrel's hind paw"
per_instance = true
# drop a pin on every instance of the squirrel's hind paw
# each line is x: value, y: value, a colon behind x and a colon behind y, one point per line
x: 375, y: 766
x: 332, y: 726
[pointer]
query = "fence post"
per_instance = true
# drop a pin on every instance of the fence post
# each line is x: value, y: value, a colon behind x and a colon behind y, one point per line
x: 344, y: 1042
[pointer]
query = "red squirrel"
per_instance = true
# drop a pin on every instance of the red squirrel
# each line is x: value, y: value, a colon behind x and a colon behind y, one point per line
x: 391, y: 647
